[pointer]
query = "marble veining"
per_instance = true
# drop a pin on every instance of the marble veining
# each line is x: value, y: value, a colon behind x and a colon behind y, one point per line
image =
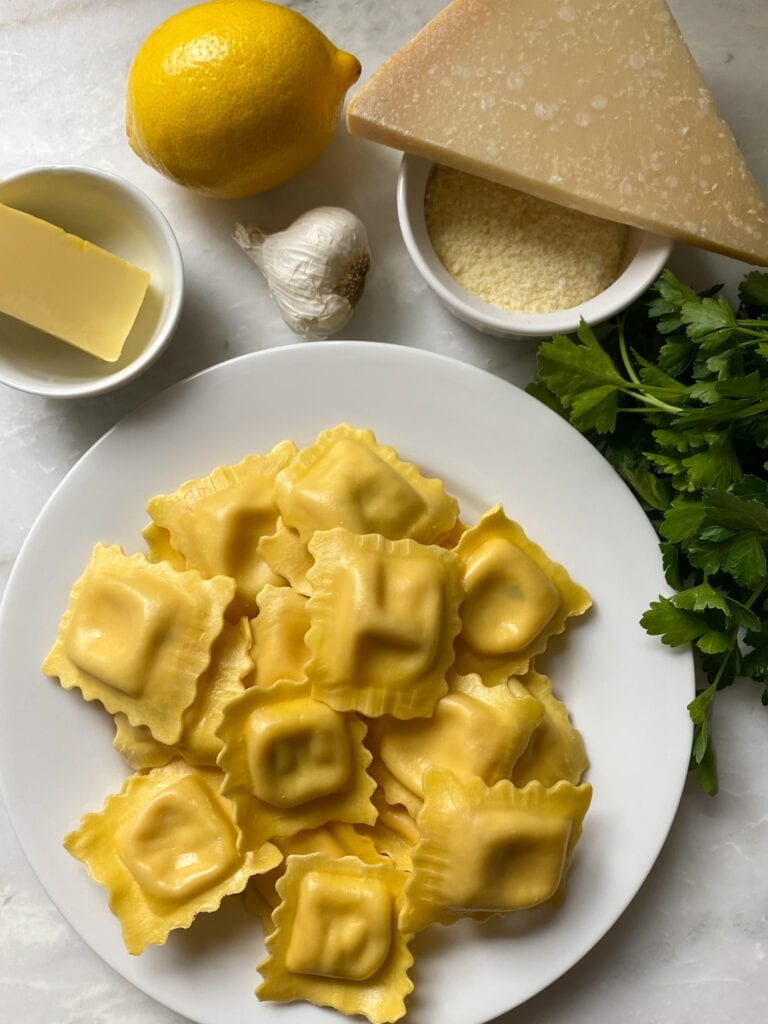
x: 692, y: 946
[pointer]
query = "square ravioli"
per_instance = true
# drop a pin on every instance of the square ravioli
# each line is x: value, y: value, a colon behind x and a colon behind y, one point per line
x: 198, y: 744
x: 215, y: 523
x: 383, y: 617
x: 137, y: 636
x: 474, y: 730
x: 336, y: 939
x: 166, y: 849
x: 490, y: 849
x: 347, y: 479
x: 293, y: 763
x: 515, y: 599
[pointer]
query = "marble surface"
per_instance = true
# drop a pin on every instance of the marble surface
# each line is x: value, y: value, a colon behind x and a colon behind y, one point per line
x: 692, y: 946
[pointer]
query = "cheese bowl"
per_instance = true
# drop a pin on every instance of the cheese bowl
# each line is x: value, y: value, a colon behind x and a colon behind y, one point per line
x: 645, y: 256
x: 111, y: 213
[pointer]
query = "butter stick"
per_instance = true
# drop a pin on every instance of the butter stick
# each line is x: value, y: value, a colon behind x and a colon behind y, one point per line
x: 66, y: 286
x: 594, y: 104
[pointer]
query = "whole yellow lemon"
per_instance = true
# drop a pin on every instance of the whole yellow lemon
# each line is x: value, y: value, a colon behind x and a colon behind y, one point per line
x: 234, y: 97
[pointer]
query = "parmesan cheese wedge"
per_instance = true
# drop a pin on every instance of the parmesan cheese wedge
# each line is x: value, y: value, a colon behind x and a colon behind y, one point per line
x: 594, y: 104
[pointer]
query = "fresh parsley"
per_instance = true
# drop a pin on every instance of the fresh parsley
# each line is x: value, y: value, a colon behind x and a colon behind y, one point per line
x: 674, y: 393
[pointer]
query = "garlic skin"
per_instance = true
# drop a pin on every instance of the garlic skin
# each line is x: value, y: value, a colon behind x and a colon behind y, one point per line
x: 315, y: 269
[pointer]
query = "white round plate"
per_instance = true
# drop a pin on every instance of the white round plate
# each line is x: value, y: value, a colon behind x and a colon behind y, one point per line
x: 489, y: 442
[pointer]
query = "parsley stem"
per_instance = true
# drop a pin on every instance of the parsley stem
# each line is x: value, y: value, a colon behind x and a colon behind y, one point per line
x: 751, y: 410
x: 625, y: 355
x: 655, y: 404
x: 645, y: 397
x: 755, y: 323
x: 723, y: 664
x: 651, y: 406
x: 756, y: 593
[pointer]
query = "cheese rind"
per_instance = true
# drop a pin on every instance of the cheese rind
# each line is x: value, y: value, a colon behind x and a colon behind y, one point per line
x: 597, y: 105
x: 66, y: 286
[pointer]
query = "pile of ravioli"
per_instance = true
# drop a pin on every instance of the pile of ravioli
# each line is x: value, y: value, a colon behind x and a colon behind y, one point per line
x: 323, y: 683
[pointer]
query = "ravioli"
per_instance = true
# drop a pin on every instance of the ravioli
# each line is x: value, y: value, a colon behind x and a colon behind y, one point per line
x: 292, y: 763
x: 336, y: 939
x: 475, y: 730
x: 490, y: 850
x: 198, y: 744
x: 137, y: 636
x: 515, y: 599
x: 394, y: 832
x: 556, y: 750
x: 215, y: 523
x: 383, y: 618
x: 159, y: 547
x: 166, y: 849
x: 347, y: 479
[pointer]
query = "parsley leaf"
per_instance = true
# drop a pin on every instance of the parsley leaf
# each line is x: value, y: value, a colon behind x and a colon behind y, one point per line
x: 674, y: 625
x: 710, y: 321
x: 698, y: 599
x: 756, y: 658
x: 583, y: 377
x: 682, y: 520
x: 753, y: 290
x: 667, y: 307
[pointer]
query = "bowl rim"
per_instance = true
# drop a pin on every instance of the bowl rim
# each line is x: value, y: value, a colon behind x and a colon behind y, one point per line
x: 642, y: 268
x: 174, y: 293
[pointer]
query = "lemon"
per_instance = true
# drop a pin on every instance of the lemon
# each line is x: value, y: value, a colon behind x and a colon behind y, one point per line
x: 234, y: 97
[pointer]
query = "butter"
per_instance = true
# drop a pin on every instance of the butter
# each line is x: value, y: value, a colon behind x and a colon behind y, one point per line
x: 66, y: 286
x: 597, y: 105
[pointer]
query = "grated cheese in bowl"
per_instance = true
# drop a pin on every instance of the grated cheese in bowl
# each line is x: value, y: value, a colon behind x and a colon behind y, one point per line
x: 516, y: 251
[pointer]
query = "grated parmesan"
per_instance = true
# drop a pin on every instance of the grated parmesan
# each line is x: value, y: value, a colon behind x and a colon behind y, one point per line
x: 516, y: 251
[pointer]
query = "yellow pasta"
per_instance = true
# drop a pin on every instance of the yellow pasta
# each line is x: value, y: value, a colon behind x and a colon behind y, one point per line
x: 347, y: 479
x: 336, y: 939
x: 166, y: 849
x: 489, y: 850
x: 287, y: 556
x: 556, y: 750
x: 475, y: 730
x: 219, y: 684
x: 278, y: 632
x: 293, y: 763
x: 394, y: 832
x: 159, y: 548
x: 335, y: 839
x: 216, y: 522
x: 383, y: 617
x: 515, y: 599
x: 137, y: 636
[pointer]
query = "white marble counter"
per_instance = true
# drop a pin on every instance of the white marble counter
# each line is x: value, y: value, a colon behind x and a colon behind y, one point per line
x: 692, y: 946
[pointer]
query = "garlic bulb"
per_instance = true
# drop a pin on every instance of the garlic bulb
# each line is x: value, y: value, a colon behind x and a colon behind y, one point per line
x: 315, y: 269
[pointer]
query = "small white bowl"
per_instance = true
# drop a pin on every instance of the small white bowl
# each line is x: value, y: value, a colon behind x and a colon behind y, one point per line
x: 645, y: 256
x: 110, y: 212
